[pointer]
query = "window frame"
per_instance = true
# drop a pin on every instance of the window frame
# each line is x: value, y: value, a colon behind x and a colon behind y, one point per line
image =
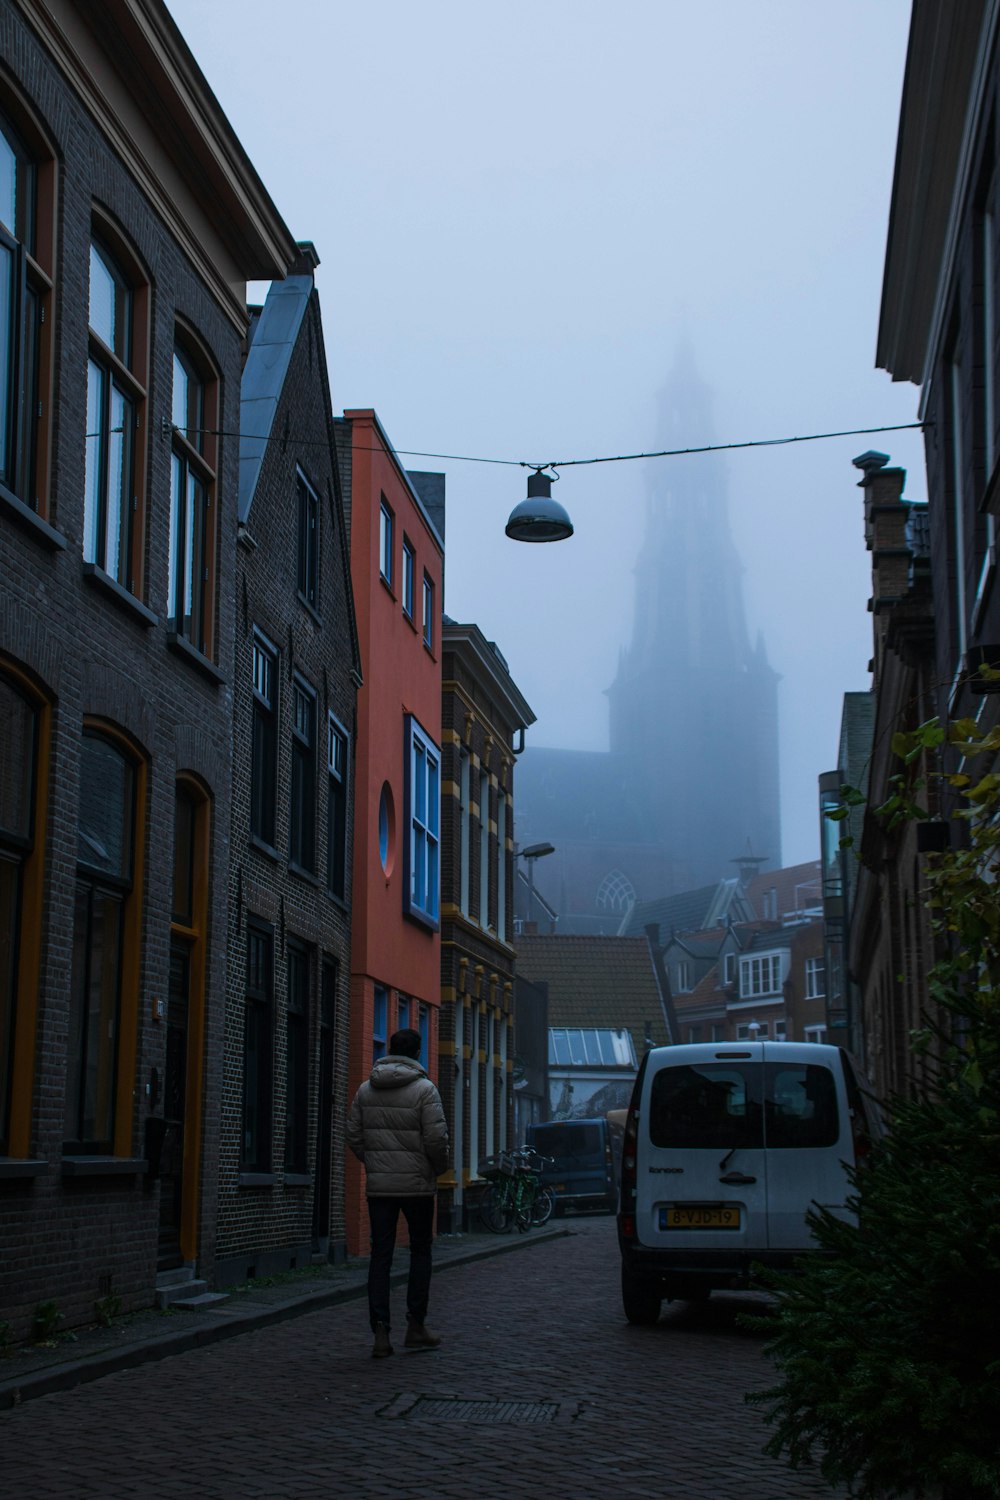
x: 124, y: 373
x: 428, y: 634
x: 386, y: 533
x: 380, y: 1022
x: 408, y: 581
x: 298, y: 1006
x: 265, y: 710
x: 92, y: 882
x: 338, y: 797
x: 28, y: 849
x: 815, y: 969
x: 307, y: 553
x: 258, y: 1009
x: 302, y: 780
x: 24, y: 484
x: 194, y: 461
x: 422, y: 819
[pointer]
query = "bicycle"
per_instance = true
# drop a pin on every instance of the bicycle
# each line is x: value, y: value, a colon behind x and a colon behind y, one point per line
x: 515, y: 1194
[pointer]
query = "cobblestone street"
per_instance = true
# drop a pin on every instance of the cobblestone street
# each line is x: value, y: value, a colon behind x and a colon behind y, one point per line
x: 301, y: 1409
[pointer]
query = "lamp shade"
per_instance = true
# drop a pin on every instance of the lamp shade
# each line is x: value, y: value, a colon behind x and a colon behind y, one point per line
x: 539, y: 518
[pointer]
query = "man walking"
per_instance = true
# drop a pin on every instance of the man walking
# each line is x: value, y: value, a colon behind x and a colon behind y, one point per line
x: 397, y: 1128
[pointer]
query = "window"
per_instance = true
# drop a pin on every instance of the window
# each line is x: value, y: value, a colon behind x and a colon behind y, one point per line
x: 694, y: 1033
x: 302, y: 848
x: 380, y: 1023
x: 186, y: 1000
x: 116, y: 400
x: 616, y: 892
x: 815, y: 1033
x: 593, y: 1047
x: 386, y: 828
x: 190, y: 588
x: 336, y: 831
x: 815, y: 978
x: 683, y: 977
x: 409, y: 578
x: 258, y: 1049
x: 760, y: 976
x: 751, y: 1031
x: 307, y: 564
x: 718, y: 1031
x: 502, y: 866
x: 297, y: 1060
x: 729, y: 969
x: 27, y: 184
x: 781, y: 1031
x: 264, y: 750
x: 20, y: 896
x: 463, y: 831
x: 423, y: 797
x: 423, y: 1027
x: 713, y: 1105
x: 484, y: 849
x: 428, y: 613
x: 801, y: 1106
x: 104, y: 885
x: 385, y: 524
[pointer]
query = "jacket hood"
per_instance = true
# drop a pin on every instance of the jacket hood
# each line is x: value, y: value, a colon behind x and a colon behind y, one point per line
x: 393, y: 1072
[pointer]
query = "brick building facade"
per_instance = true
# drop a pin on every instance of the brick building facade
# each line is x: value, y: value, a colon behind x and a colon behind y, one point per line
x: 397, y: 572
x: 484, y: 717
x: 295, y: 681
x: 131, y: 220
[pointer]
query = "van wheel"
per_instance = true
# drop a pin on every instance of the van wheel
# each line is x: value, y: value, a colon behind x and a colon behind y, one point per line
x: 641, y: 1299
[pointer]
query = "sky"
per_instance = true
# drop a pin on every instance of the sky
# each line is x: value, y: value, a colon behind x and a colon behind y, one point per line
x: 519, y: 211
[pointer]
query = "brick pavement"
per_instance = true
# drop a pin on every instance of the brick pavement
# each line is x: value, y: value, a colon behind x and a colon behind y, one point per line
x: 300, y: 1409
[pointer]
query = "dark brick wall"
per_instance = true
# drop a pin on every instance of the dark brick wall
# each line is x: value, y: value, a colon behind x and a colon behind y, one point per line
x: 270, y: 1226
x: 94, y: 654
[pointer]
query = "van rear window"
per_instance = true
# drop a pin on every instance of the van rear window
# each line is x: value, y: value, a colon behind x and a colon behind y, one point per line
x: 801, y: 1106
x: 718, y: 1106
x: 566, y: 1140
x: 714, y: 1104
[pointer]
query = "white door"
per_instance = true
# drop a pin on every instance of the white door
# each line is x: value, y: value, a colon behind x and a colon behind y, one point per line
x: 808, y: 1135
x: 701, y: 1170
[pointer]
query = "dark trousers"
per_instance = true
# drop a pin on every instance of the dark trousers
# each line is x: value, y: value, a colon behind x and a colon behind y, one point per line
x: 383, y: 1214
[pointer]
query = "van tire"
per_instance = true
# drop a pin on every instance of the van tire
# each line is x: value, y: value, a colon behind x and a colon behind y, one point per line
x: 641, y: 1299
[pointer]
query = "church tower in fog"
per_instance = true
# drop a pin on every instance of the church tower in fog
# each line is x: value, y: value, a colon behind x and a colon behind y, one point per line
x: 691, y: 779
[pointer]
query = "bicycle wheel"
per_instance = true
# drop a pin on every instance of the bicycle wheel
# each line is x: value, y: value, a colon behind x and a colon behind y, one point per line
x: 495, y: 1211
x: 541, y: 1209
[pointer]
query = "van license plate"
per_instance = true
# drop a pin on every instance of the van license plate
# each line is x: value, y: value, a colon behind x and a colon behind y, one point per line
x: 700, y: 1216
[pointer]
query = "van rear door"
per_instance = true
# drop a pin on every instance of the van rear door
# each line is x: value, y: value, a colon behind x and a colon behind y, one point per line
x: 808, y: 1136
x: 702, y: 1175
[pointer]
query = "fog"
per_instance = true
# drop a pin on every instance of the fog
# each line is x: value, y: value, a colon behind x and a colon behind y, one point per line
x: 520, y: 211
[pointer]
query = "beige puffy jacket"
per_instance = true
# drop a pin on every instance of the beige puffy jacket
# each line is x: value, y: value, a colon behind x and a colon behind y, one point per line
x: 396, y: 1126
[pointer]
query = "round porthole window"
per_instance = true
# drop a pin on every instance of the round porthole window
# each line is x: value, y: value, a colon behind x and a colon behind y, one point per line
x: 386, y: 828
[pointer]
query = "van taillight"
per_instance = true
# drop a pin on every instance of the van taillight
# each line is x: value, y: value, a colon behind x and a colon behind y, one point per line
x: 626, y: 1226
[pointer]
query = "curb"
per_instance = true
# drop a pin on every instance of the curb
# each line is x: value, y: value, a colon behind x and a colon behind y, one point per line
x: 147, y: 1351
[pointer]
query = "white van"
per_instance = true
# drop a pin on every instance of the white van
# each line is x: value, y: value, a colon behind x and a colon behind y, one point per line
x: 726, y: 1148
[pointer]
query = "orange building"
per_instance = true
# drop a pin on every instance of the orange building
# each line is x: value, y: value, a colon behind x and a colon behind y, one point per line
x: 397, y: 567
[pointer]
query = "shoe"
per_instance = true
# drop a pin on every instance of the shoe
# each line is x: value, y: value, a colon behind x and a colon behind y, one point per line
x: 419, y: 1336
x: 381, y: 1347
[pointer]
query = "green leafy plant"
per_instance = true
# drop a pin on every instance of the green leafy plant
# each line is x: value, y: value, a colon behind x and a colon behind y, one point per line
x: 46, y: 1321
x: 887, y: 1346
x: 108, y: 1310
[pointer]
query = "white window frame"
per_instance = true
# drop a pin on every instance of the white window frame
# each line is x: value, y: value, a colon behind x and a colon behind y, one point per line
x: 760, y: 975
x: 386, y: 528
x: 408, y: 582
x: 422, y: 883
x: 684, y: 977
x: 502, y: 865
x: 815, y: 1033
x: 815, y: 970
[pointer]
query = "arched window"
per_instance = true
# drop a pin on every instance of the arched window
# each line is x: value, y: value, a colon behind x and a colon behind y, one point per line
x: 192, y: 564
x: 616, y: 892
x: 105, y: 948
x: 27, y: 176
x: 22, y: 785
x: 114, y: 486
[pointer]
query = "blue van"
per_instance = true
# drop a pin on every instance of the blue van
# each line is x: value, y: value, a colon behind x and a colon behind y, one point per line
x: 582, y: 1170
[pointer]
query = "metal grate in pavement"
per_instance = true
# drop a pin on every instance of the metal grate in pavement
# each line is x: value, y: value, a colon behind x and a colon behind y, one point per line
x: 495, y: 1411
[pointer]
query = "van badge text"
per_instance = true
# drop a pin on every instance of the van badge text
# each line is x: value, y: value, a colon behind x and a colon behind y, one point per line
x: 666, y: 1169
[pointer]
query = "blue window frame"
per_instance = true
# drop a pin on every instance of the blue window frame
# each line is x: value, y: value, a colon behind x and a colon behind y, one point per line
x: 421, y: 887
x: 409, y: 574
x: 380, y: 1025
